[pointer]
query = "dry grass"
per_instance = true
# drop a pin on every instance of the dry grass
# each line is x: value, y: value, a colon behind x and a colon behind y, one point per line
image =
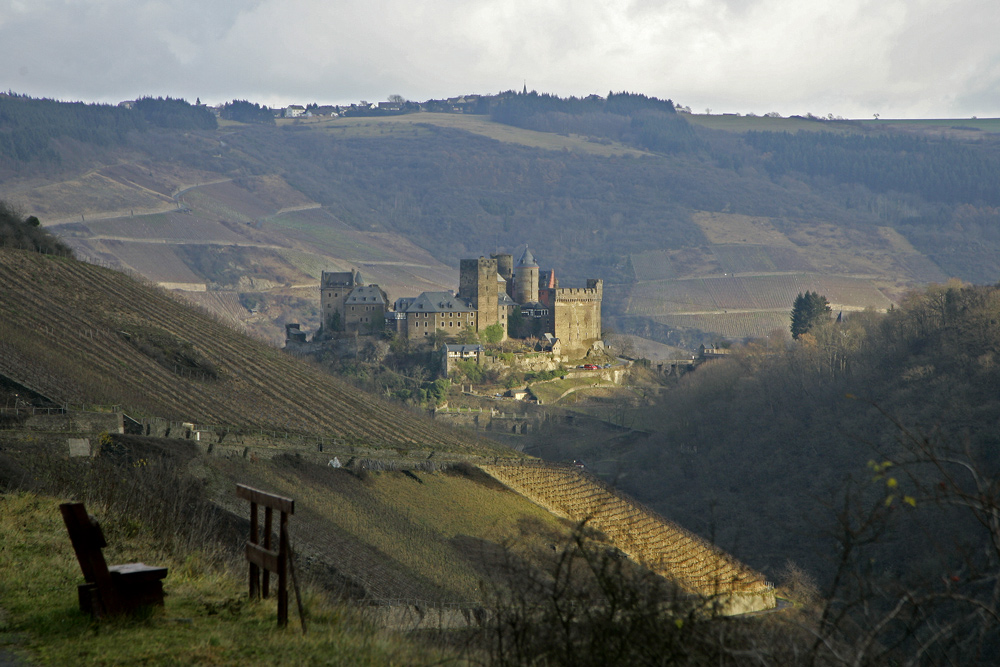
x: 415, y: 535
x: 733, y: 228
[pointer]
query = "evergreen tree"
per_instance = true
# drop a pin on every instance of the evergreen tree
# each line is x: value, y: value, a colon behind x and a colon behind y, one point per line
x: 808, y: 310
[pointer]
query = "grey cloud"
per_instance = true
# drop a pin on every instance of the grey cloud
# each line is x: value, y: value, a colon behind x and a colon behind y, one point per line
x: 851, y: 58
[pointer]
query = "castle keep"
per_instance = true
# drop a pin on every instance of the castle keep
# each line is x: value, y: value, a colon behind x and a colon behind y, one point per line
x: 523, y: 299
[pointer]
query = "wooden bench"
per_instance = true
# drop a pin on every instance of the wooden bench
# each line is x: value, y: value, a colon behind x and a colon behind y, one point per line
x: 119, y: 589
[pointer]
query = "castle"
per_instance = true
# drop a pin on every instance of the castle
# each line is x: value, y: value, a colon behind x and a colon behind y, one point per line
x: 523, y: 300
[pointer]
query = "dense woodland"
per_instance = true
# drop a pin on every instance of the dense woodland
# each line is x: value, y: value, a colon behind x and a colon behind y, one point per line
x: 762, y: 450
x: 636, y: 120
x: 31, y: 129
x: 863, y: 457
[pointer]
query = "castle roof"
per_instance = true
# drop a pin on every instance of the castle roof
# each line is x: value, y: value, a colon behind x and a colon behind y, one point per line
x: 367, y: 294
x: 439, y: 302
x: 403, y: 302
x: 503, y: 299
x: 527, y: 259
x: 463, y: 349
x: 547, y: 278
x: 341, y: 279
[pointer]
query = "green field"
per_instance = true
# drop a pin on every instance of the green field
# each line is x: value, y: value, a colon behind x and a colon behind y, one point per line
x: 549, y: 392
x: 409, y: 125
x: 983, y: 124
x: 206, y: 619
x: 738, y: 123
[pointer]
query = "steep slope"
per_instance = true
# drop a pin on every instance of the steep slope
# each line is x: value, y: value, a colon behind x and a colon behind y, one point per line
x: 81, y: 333
x: 666, y: 548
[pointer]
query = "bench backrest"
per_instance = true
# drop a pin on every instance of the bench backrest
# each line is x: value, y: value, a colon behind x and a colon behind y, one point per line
x: 88, y: 540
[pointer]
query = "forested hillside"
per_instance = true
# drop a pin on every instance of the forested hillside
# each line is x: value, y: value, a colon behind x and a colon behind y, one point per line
x: 31, y: 129
x: 763, y: 449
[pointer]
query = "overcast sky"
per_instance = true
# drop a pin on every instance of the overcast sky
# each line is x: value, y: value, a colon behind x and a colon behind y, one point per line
x: 852, y: 58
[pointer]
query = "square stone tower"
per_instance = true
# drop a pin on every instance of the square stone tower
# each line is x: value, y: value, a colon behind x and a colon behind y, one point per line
x: 477, y: 284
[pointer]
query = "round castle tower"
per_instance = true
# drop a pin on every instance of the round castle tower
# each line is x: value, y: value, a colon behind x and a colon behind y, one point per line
x: 526, y: 279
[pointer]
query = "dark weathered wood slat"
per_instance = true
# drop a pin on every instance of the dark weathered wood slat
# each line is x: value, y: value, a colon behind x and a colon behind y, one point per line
x: 286, y: 505
x: 261, y: 557
x: 109, y: 590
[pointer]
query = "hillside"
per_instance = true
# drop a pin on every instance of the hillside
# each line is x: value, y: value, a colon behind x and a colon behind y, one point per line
x: 79, y: 333
x: 666, y: 208
x: 667, y: 549
x: 771, y: 449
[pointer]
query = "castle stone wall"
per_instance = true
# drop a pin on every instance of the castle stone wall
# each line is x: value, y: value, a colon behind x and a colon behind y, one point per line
x: 576, y: 316
x: 526, y: 284
x: 477, y: 282
x: 505, y: 265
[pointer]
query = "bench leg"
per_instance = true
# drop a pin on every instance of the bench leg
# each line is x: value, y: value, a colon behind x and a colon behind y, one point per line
x: 89, y: 600
x: 146, y: 594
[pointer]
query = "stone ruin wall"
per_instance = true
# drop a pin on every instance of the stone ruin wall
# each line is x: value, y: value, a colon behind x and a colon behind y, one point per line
x: 577, y: 315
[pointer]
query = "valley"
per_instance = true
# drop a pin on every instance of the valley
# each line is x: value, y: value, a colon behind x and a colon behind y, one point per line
x: 724, y: 483
x: 257, y: 228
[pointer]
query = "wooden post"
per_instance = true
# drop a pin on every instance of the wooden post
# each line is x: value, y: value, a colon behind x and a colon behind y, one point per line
x: 283, y: 572
x: 254, y: 539
x: 267, y: 545
x: 262, y: 556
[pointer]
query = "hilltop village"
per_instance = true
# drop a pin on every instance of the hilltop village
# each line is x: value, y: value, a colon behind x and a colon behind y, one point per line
x: 496, y: 299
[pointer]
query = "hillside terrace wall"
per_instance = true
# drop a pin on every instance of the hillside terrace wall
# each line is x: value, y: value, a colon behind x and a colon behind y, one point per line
x: 83, y: 423
x: 256, y: 447
x: 490, y: 420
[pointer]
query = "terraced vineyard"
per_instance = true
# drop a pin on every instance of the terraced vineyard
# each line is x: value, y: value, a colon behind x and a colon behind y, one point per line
x: 173, y: 226
x: 222, y: 303
x: 159, y: 263
x: 697, y: 566
x: 744, y: 293
x: 756, y: 324
x: 759, y: 258
x: 61, y: 323
x: 317, y: 227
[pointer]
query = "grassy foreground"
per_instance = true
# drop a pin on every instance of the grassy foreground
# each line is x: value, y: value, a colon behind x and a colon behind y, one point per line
x: 207, y: 619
